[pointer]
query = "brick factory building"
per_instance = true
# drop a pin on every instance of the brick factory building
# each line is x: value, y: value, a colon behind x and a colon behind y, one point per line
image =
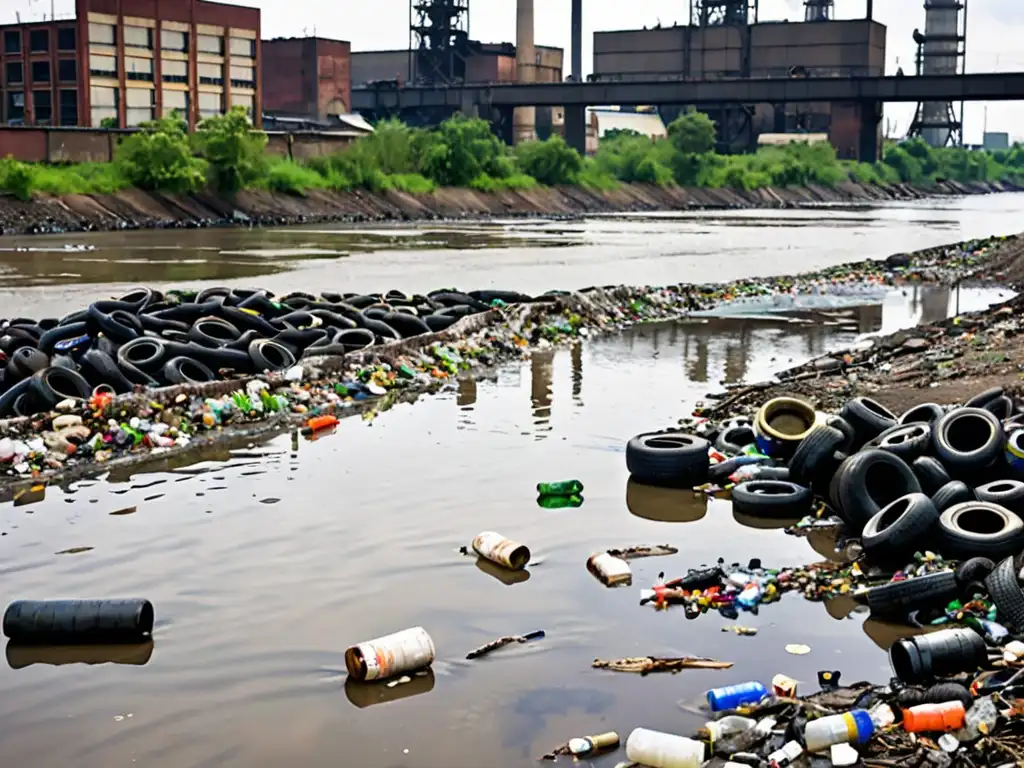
x: 307, y: 77
x: 123, y: 62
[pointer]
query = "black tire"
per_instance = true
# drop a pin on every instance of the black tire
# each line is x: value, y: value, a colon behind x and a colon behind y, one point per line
x: 267, y: 355
x: 902, y: 527
x: 732, y: 440
x: 1001, y: 407
x: 382, y: 330
x: 979, y: 400
x: 1004, y: 590
x: 185, y: 370
x: 908, y: 441
x: 838, y: 422
x: 356, y: 339
x: 931, y: 474
x: 140, y: 298
x: 23, y: 363
x: 213, y: 293
x: 1006, y: 493
x: 51, y: 385
x: 70, y: 331
x: 145, y: 353
x: 113, y: 321
x: 333, y: 319
x: 952, y: 493
x: 297, y: 341
x: 439, y: 322
x: 771, y: 498
x: 978, y: 528
x: 10, y: 396
x: 814, y: 453
x: 898, y: 597
x: 100, y: 368
x: 213, y: 332
x: 868, y: 417
x: 869, y: 481
x: 670, y: 459
x: 406, y: 325
x: 968, y: 441
x: 973, y: 570
x: 509, y: 297
x: 454, y: 298
x: 926, y: 413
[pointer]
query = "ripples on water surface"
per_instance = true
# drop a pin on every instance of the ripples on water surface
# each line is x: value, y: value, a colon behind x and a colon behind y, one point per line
x: 265, y: 562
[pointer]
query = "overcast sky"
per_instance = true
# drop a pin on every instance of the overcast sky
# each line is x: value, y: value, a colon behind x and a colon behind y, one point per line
x: 993, y: 27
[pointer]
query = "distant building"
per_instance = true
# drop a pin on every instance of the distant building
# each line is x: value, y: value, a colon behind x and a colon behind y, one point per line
x: 992, y: 141
x: 307, y: 77
x: 486, y: 63
x: 124, y: 62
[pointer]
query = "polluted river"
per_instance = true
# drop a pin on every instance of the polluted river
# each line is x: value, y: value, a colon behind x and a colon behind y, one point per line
x: 265, y: 559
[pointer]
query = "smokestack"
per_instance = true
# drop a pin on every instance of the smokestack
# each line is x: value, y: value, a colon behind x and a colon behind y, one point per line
x: 871, y: 9
x: 577, y: 41
x: 525, y: 118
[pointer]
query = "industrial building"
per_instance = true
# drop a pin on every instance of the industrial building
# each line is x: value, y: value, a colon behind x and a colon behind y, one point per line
x: 123, y: 62
x: 758, y: 50
x: 307, y: 77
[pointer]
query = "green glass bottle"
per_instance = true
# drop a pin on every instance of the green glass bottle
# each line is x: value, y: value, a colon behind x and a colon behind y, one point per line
x: 559, y: 502
x: 560, y: 488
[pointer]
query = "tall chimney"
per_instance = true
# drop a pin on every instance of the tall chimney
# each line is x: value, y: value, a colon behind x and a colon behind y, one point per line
x: 524, y: 119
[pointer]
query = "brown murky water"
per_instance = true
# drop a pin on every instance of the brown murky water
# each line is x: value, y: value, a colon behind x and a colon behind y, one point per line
x: 265, y: 563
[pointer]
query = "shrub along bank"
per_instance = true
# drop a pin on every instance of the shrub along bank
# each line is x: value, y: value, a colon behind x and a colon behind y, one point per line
x: 226, y: 154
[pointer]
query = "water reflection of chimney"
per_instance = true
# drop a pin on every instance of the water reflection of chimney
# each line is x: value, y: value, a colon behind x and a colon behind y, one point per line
x: 541, y: 372
x: 697, y: 364
x: 736, y: 357
x: 935, y: 304
x: 577, y: 373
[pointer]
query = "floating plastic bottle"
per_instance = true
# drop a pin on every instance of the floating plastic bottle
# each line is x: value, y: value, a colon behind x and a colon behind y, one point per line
x: 560, y: 488
x: 855, y: 726
x: 733, y: 725
x: 733, y: 696
x: 663, y: 750
x: 560, y: 502
x: 505, y: 552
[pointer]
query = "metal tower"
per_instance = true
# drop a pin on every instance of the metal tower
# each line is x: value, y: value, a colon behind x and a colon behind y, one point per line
x: 941, y: 50
x: 720, y: 13
x: 439, y: 41
x: 819, y: 10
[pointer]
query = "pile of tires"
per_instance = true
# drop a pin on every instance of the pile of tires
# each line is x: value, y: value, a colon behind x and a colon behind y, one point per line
x: 150, y: 339
x: 931, y: 478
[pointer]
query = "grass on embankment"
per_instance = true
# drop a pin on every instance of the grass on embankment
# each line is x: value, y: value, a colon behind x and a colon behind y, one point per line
x: 227, y: 155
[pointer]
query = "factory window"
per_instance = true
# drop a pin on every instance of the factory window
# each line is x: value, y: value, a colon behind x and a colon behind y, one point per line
x: 42, y: 106
x: 138, y: 69
x: 243, y: 77
x: 170, y: 40
x: 15, y: 73
x: 103, y: 104
x: 67, y: 70
x: 138, y: 37
x: 40, y: 72
x: 176, y: 101
x: 66, y: 39
x: 246, y: 100
x: 243, y: 46
x: 139, y: 104
x: 210, y: 44
x: 16, y: 107
x: 174, y: 71
x: 39, y: 40
x: 102, y: 66
x: 68, y: 107
x: 102, y: 34
x: 12, y: 41
x: 210, y: 105
x: 211, y: 74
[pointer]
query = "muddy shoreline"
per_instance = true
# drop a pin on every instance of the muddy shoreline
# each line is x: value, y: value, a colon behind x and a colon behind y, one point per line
x: 136, y: 209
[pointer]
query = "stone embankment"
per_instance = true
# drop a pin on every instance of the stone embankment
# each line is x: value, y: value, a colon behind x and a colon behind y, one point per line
x: 135, y: 209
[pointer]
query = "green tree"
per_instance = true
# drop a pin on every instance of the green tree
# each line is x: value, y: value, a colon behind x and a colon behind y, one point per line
x: 550, y: 162
x: 233, y: 149
x: 17, y: 178
x: 461, y: 150
x: 692, y: 133
x: 108, y: 123
x: 158, y: 157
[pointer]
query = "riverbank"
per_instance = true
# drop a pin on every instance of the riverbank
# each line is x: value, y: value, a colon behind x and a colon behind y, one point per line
x: 136, y: 209
x: 80, y: 437
x: 945, y: 362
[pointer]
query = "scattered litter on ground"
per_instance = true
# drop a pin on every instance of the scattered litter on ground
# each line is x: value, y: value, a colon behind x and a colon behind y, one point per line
x: 645, y: 665
x: 501, y: 642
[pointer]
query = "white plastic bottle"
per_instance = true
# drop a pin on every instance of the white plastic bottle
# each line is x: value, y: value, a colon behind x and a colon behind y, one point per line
x: 663, y: 750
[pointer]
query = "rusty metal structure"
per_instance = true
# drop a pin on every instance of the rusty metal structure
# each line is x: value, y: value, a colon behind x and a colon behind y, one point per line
x: 941, y: 50
x: 439, y: 41
x: 819, y: 10
x: 722, y: 13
